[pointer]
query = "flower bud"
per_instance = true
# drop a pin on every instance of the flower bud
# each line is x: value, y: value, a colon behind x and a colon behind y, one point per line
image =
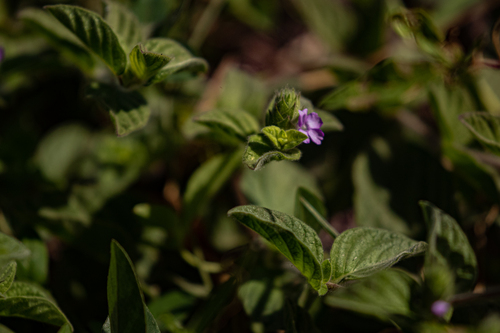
x: 283, y: 111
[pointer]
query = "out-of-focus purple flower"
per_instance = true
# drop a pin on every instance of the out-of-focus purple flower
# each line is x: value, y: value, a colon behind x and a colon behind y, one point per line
x: 310, y: 125
x: 440, y: 308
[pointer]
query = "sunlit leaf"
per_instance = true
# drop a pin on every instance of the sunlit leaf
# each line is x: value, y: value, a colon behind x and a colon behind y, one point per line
x: 125, y: 25
x: 361, y: 252
x: 182, y: 60
x: 96, y: 34
x: 260, y: 151
x: 448, y: 245
x: 284, y: 140
x: 145, y: 64
x: 28, y: 301
x: 292, y: 237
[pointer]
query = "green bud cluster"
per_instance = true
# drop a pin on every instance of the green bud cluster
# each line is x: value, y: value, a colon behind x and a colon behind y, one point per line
x: 283, y: 111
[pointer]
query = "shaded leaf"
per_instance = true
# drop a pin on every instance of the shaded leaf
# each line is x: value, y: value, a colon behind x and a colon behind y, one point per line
x: 11, y: 249
x: 206, y: 181
x: 233, y: 122
x: 260, y: 151
x: 485, y: 127
x: 124, y: 24
x: 260, y: 298
x: 292, y: 237
x: 362, y: 251
x: 34, y: 268
x: 7, y: 275
x: 383, y: 295
x: 125, y: 303
x: 96, y: 34
x: 448, y: 245
x: 304, y: 199
x: 298, y: 320
x: 66, y: 328
x: 56, y: 34
x: 28, y: 301
x: 128, y: 109
x: 182, y: 60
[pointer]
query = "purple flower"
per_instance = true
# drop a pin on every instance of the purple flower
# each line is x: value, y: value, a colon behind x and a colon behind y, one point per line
x: 440, y: 308
x: 310, y: 125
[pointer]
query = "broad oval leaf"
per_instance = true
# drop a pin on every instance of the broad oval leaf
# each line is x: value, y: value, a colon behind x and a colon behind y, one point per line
x: 363, y: 251
x: 49, y: 27
x: 235, y: 122
x: 485, y: 127
x: 7, y: 274
x: 260, y: 151
x: 11, y: 249
x: 182, y: 59
x: 125, y: 303
x: 128, y: 109
x: 30, y: 302
x: 124, y: 24
x: 383, y: 295
x: 94, y: 32
x: 292, y: 237
x: 145, y: 64
x: 449, y: 245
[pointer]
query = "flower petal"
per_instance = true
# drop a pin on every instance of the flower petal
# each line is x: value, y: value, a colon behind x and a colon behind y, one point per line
x: 306, y: 140
x: 302, y: 118
x: 316, y: 135
x: 313, y: 121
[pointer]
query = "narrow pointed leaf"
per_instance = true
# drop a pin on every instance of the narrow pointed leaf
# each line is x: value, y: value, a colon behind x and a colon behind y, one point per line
x: 260, y: 151
x: 66, y: 328
x: 182, y: 59
x: 128, y: 109
x: 234, y: 122
x: 125, y: 25
x: 11, y: 249
x: 362, y: 251
x: 7, y: 274
x: 292, y: 237
x: 310, y: 209
x: 449, y: 245
x: 145, y: 64
x: 485, y: 127
x: 30, y: 302
x: 151, y: 324
x: 94, y: 32
x: 125, y: 303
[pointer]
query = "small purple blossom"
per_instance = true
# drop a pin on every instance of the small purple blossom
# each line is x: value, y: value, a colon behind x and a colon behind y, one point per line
x: 310, y: 125
x: 440, y: 308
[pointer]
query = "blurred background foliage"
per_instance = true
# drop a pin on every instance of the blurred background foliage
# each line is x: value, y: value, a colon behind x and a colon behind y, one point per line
x: 396, y: 73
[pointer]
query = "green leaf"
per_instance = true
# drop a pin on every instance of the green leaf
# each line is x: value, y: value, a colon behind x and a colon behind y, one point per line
x: 448, y: 245
x: 176, y: 302
x: 125, y: 303
x: 293, y: 238
x: 124, y: 24
x: 206, y: 181
x: 485, y: 127
x: 151, y: 324
x: 58, y: 152
x: 5, y: 329
x: 34, y: 268
x: 284, y: 140
x: 128, y: 109
x: 65, y: 41
x: 11, y: 249
x: 164, y: 217
x: 66, y: 328
x: 145, y: 64
x: 233, y: 122
x: 30, y: 302
x: 7, y: 274
x: 383, y: 295
x: 260, y: 151
x: 182, y: 59
x: 362, y: 251
x: 261, y: 298
x: 96, y: 34
x: 298, y: 320
x: 266, y: 187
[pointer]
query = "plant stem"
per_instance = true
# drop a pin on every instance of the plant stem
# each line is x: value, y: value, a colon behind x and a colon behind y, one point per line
x: 205, y: 22
x: 324, y: 224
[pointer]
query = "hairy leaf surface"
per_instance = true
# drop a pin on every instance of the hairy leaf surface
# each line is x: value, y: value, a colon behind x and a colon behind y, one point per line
x: 237, y: 123
x: 7, y: 274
